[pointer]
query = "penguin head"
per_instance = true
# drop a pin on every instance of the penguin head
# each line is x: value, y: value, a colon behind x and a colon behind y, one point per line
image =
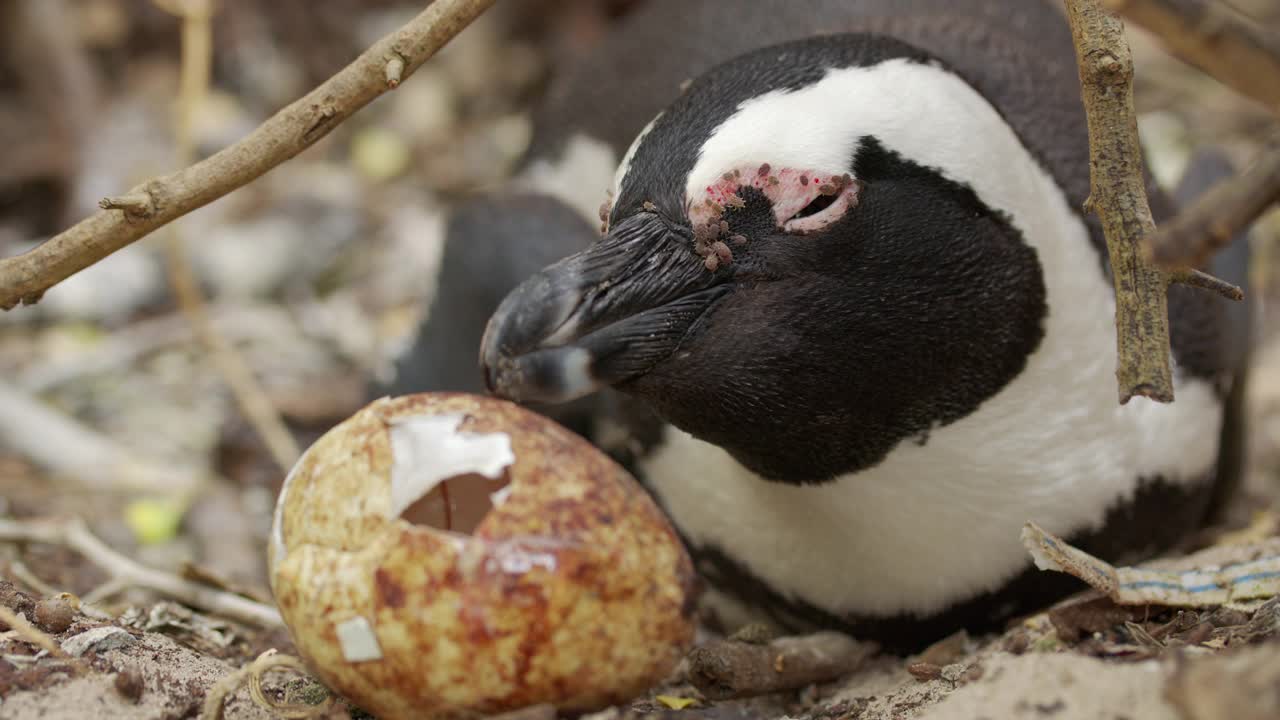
x: 797, y: 265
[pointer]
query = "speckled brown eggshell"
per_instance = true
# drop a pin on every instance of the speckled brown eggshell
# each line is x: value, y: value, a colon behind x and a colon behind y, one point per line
x: 573, y: 590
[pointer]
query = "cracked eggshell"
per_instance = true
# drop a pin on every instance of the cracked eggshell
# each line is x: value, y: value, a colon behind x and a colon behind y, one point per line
x: 572, y: 590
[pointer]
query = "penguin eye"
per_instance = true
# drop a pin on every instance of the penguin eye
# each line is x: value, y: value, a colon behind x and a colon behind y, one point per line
x: 827, y: 206
x: 820, y: 203
x: 803, y: 200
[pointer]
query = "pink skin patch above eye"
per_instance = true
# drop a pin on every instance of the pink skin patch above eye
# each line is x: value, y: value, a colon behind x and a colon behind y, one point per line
x: 789, y: 189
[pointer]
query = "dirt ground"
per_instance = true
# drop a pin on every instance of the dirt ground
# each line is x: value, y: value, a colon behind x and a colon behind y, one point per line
x: 315, y: 275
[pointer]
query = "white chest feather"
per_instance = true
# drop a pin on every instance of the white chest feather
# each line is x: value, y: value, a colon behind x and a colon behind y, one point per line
x: 939, y: 522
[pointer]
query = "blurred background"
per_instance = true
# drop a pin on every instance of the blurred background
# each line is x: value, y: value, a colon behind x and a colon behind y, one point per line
x: 316, y: 273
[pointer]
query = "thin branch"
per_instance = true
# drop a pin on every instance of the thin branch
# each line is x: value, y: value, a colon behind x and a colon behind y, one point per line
x: 1118, y: 197
x: 197, y: 68
x: 1219, y: 215
x: 124, y: 346
x: 1216, y: 38
x: 25, y: 278
x: 60, y: 443
x: 73, y: 534
x: 252, y: 674
x: 23, y: 574
x: 732, y: 668
x: 1205, y: 281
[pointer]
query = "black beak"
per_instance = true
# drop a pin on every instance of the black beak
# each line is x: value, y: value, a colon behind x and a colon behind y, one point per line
x: 601, y: 317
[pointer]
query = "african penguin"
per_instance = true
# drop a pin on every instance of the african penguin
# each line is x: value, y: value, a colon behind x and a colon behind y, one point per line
x: 592, y: 111
x: 851, y: 275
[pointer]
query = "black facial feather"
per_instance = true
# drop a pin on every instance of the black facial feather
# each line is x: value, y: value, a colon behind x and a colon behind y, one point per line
x: 907, y: 313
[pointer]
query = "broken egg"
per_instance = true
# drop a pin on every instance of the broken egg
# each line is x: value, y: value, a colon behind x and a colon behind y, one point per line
x: 447, y: 555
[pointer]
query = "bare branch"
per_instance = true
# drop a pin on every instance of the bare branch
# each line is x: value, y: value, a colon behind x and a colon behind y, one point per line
x: 197, y: 68
x: 732, y: 668
x: 24, y: 278
x: 75, y: 535
x: 60, y: 443
x: 252, y: 674
x: 1216, y: 38
x: 1118, y: 197
x: 1219, y: 215
x: 1205, y: 281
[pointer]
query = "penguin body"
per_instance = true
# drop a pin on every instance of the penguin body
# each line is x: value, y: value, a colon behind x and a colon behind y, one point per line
x: 850, y: 276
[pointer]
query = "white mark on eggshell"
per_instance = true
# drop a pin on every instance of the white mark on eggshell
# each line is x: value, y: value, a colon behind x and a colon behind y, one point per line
x: 278, y: 546
x: 517, y: 557
x: 426, y: 450
x: 358, y: 642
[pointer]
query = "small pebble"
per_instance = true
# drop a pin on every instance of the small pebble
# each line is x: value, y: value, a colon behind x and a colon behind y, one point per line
x: 924, y: 671
x: 1228, y: 617
x: 98, y: 640
x: 54, y: 615
x: 129, y: 684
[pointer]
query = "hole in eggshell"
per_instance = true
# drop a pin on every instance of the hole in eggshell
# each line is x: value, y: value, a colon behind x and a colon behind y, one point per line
x: 445, y: 477
x: 458, y: 504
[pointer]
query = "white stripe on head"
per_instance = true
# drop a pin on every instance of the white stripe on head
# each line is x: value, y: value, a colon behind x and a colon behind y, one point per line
x: 939, y: 522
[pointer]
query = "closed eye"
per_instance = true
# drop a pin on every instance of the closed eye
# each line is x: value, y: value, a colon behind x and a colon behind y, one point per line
x: 820, y: 203
x: 821, y: 211
x: 803, y: 200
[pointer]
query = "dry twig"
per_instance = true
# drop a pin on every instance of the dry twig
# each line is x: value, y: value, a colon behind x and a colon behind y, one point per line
x: 1216, y: 38
x: 253, y: 673
x: 26, y: 277
x: 75, y: 535
x: 60, y: 443
x: 1117, y: 194
x: 731, y: 668
x: 1219, y: 215
x: 197, y: 64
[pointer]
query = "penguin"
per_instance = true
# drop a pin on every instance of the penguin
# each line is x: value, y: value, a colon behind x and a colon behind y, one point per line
x: 848, y: 279
x: 588, y: 118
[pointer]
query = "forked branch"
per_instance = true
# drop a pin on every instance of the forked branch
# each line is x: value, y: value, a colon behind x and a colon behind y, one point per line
x: 1117, y: 194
